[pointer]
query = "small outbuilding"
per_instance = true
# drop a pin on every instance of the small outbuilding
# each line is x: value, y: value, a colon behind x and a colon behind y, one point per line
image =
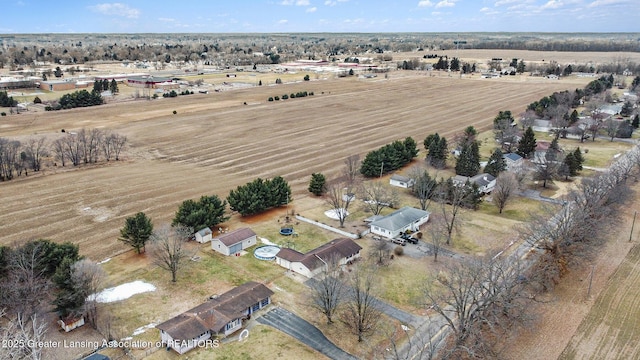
x: 234, y: 242
x: 401, y: 181
x: 70, y: 323
x: 203, y: 235
x: 512, y: 160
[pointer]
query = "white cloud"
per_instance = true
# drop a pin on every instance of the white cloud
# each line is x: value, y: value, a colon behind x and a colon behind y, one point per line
x: 302, y: 3
x: 605, y: 3
x: 166, y: 19
x: 283, y: 21
x: 117, y: 9
x: 286, y: 2
x: 446, y: 3
x: 333, y: 2
x: 504, y: 2
x: 552, y: 4
x: 312, y: 9
x: 425, y: 3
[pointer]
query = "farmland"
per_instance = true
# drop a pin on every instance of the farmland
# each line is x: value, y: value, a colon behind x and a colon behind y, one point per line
x: 215, y: 143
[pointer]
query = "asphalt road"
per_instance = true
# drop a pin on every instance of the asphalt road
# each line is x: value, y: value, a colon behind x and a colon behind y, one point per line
x: 300, y: 329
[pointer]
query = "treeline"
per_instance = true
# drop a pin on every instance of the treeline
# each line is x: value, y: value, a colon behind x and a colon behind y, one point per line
x: 259, y: 195
x: 389, y: 158
x: 81, y: 98
x: 299, y: 94
x: 577, y: 45
x: 86, y: 146
x: 6, y: 100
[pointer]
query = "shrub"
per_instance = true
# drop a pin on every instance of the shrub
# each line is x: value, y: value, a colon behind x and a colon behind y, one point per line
x: 399, y: 250
x: 270, y: 98
x: 293, y: 96
x: 37, y: 100
x: 306, y: 78
x: 285, y: 97
x: 3, y: 114
x: 277, y: 98
x: 311, y: 93
x: 174, y: 112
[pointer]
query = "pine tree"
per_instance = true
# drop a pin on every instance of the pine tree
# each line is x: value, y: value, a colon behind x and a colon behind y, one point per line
x: 468, y: 163
x: 496, y: 163
x: 527, y: 145
x: 636, y: 121
x: 317, y: 185
x: 579, y: 159
x: 136, y: 231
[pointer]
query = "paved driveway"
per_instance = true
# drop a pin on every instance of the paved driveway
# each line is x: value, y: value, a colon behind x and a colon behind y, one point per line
x: 295, y: 326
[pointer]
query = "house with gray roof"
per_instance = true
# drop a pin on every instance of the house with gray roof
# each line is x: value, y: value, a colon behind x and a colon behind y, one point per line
x: 399, y: 221
x: 512, y: 161
x: 234, y: 242
x: 486, y: 182
x: 342, y: 251
x: 220, y: 316
x: 401, y: 181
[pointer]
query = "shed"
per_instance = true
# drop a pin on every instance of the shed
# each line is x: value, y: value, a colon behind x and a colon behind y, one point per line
x: 401, y: 181
x: 203, y: 235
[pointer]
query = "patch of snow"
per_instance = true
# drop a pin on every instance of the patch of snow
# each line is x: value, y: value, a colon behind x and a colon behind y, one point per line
x: 405, y: 328
x: 336, y: 214
x: 104, y: 261
x: 121, y: 292
x: 142, y: 329
x: 616, y: 156
x: 267, y: 242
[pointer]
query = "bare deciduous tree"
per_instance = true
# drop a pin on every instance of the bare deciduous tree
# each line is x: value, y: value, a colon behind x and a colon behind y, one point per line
x: 437, y: 234
x: 119, y: 142
x: 339, y: 196
x: 58, y: 147
x: 424, y: 186
x: 169, y: 248
x: 360, y: 314
x: 380, y: 251
x: 377, y: 196
x: 36, y: 149
x: 88, y: 278
x: 506, y: 185
x: 28, y: 332
x: 327, y: 290
x: 352, y: 169
x: 26, y: 282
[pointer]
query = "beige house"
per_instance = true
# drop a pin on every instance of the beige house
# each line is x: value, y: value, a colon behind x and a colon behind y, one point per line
x: 315, y: 261
x: 219, y: 316
x: 234, y: 242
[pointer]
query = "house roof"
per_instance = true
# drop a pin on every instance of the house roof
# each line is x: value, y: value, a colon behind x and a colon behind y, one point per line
x: 339, y: 248
x: 542, y: 145
x: 481, y: 180
x: 214, y: 314
x: 512, y: 156
x: 96, y: 357
x: 401, y: 178
x: 400, y: 218
x: 236, y: 236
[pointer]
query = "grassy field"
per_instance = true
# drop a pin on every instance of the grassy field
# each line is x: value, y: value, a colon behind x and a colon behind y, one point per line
x: 611, y: 328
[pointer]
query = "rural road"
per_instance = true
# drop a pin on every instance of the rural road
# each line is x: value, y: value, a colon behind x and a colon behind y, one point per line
x: 300, y: 329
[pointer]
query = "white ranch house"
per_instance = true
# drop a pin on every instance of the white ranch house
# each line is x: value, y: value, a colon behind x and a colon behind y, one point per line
x: 203, y: 235
x: 399, y: 221
x: 315, y: 261
x: 219, y: 316
x: 234, y: 242
x: 486, y: 182
x: 401, y: 181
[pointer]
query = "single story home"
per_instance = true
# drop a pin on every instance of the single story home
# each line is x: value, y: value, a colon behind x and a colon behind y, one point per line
x: 399, y: 221
x: 203, y: 235
x: 401, y: 181
x: 343, y: 251
x: 486, y: 182
x: 512, y: 160
x: 221, y: 315
x: 147, y: 81
x: 234, y: 242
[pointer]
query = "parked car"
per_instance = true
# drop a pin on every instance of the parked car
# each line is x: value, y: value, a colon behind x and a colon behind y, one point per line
x: 412, y: 240
x: 399, y: 241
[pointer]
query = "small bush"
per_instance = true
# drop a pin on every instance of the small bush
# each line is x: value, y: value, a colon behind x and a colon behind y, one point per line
x: 277, y: 98
x: 306, y: 78
x: 285, y: 97
x: 37, y: 100
x: 270, y: 98
x: 3, y: 114
x: 399, y: 250
x: 174, y: 112
x: 311, y: 93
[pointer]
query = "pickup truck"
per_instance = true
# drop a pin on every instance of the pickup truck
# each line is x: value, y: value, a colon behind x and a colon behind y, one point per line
x: 399, y: 241
x: 409, y: 238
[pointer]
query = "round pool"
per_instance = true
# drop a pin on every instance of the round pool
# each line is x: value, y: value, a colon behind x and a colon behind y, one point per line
x: 286, y: 231
x: 266, y: 252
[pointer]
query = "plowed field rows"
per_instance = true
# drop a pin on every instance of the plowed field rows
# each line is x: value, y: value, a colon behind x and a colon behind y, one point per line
x: 216, y: 143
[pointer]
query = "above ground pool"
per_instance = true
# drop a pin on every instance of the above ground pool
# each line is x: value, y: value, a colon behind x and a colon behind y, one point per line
x: 266, y: 252
x: 286, y: 231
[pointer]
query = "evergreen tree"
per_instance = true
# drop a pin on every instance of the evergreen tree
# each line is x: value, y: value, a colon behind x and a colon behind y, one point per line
x: 430, y: 139
x: 468, y: 163
x: 113, y: 86
x: 438, y: 151
x: 259, y: 195
x: 317, y: 185
x: 411, y: 149
x: 136, y: 231
x: 579, y: 159
x: 636, y: 121
x: 521, y: 67
x: 496, y: 163
x: 196, y: 215
x: 570, y: 167
x: 527, y: 144
x: 573, y: 118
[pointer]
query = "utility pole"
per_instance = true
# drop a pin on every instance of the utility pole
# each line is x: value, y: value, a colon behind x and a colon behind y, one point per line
x: 381, y: 168
x: 633, y: 224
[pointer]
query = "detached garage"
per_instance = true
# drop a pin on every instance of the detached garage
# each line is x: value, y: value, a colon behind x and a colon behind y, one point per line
x: 234, y: 242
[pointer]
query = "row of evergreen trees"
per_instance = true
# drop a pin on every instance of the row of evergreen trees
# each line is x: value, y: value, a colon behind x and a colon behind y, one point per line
x: 259, y: 195
x: 81, y: 98
x: 389, y: 158
x: 6, y: 100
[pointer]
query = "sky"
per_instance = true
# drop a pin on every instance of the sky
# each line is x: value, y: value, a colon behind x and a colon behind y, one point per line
x: 285, y: 16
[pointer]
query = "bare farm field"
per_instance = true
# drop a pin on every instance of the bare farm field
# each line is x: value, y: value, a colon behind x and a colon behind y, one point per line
x: 215, y: 143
